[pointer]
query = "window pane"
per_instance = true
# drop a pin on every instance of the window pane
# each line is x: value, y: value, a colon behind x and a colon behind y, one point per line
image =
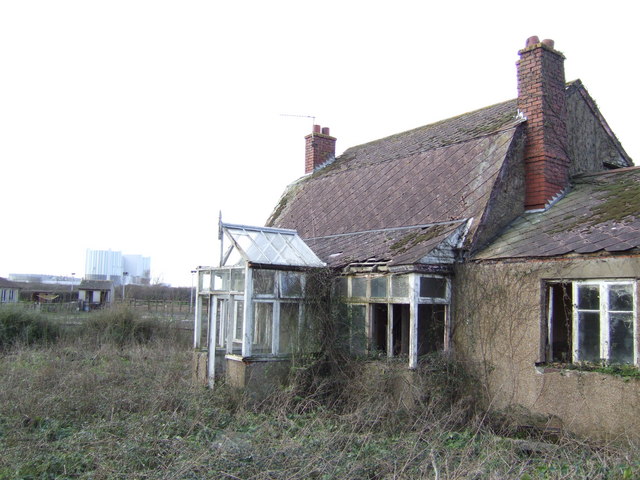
x: 289, y: 313
x: 220, y: 322
x: 239, y: 314
x: 221, y: 280
x: 358, y: 331
x: 589, y: 297
x: 263, y: 282
x: 205, y: 281
x: 621, y: 337
x: 262, y: 324
x: 291, y: 284
x: 400, y: 286
x: 589, y: 336
x: 237, y: 280
x: 621, y: 298
x: 341, y: 287
x: 379, y: 287
x: 358, y: 287
x: 433, y: 287
x: 431, y: 319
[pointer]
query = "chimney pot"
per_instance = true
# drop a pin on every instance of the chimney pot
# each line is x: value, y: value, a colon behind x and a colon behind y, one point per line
x: 548, y: 42
x: 316, y: 129
x: 325, y: 131
x: 532, y: 41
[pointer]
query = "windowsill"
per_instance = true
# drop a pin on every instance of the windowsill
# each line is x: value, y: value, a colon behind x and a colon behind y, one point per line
x: 257, y: 358
x: 624, y: 371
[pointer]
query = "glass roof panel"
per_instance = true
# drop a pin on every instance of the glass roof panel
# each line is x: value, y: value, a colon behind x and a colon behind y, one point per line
x: 272, y: 246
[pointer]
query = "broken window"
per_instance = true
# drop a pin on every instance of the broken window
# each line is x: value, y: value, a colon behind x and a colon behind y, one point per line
x: 592, y: 321
x: 431, y: 331
x: 392, y: 303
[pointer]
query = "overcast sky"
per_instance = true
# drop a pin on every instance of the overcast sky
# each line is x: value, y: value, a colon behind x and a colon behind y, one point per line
x: 127, y: 125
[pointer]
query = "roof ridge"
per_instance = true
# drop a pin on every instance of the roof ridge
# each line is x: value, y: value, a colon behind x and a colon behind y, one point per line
x: 607, y: 172
x: 439, y: 122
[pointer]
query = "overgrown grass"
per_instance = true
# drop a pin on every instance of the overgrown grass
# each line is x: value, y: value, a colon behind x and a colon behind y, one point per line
x: 93, y: 406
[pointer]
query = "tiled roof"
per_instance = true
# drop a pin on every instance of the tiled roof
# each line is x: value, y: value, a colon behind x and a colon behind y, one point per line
x: 438, y: 173
x: 396, y: 246
x: 6, y: 283
x: 601, y: 212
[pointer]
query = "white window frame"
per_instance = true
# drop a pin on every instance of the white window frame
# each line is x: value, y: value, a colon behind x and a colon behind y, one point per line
x: 238, y: 318
x: 603, y: 312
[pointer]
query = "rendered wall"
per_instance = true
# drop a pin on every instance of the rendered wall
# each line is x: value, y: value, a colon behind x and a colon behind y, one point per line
x: 499, y: 320
x: 258, y: 377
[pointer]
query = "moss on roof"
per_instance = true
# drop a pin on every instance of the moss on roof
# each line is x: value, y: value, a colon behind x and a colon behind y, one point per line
x: 616, y: 201
x: 412, y: 239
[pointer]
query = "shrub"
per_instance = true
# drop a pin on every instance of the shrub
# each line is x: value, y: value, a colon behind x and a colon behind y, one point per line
x: 19, y: 326
x: 120, y: 326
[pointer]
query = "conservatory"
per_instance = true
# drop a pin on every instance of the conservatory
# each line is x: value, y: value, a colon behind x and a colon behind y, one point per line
x: 249, y: 310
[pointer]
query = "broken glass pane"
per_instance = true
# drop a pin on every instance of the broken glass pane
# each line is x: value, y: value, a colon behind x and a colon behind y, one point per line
x: 621, y: 297
x: 621, y: 337
x: 379, y: 287
x: 221, y: 280
x: 589, y: 336
x: 589, y: 297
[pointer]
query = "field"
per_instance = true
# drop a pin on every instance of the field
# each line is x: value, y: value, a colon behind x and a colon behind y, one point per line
x: 114, y: 399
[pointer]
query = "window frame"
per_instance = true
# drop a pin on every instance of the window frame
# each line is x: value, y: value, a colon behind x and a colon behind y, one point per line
x: 604, y: 318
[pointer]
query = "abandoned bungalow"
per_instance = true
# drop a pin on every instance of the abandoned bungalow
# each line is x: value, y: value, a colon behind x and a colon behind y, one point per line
x: 509, y: 235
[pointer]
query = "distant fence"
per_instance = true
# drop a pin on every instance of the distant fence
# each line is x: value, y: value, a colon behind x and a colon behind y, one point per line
x: 53, y: 307
x: 172, y: 308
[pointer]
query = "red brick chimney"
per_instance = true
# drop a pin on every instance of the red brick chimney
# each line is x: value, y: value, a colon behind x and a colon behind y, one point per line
x: 320, y: 149
x: 541, y: 98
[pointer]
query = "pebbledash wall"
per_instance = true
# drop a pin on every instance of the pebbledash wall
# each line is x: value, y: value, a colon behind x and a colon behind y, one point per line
x: 500, y: 325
